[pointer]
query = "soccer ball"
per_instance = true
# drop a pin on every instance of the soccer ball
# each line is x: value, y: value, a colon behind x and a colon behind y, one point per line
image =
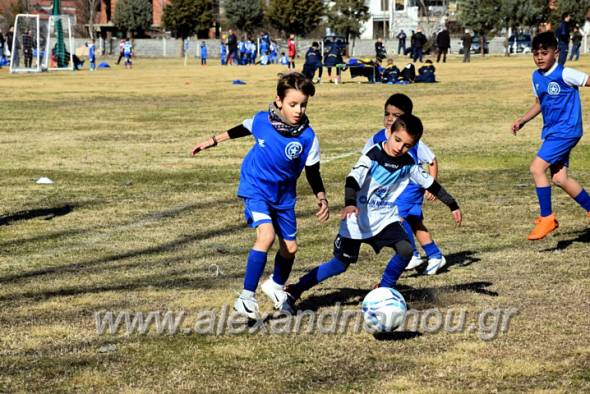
x: 384, y: 309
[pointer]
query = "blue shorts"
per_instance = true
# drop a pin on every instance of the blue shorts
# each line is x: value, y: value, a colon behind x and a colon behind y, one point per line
x: 258, y: 212
x: 406, y: 209
x: 557, y: 150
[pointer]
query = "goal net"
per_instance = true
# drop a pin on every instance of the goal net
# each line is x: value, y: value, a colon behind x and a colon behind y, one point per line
x: 59, y: 43
x: 26, y: 44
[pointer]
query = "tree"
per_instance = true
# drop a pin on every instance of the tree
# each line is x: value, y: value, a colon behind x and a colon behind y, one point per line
x: 185, y: 18
x: 518, y: 13
x: 295, y: 16
x: 133, y: 16
x: 481, y: 16
x: 347, y: 17
x: 88, y: 10
x: 577, y: 8
x: 245, y: 15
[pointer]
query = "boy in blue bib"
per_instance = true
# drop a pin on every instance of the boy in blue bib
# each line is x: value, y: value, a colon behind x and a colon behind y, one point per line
x: 558, y: 99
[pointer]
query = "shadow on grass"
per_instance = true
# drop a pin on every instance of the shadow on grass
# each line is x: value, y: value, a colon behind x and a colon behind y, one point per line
x: 462, y: 259
x: 45, y: 213
x: 396, y: 335
x: 428, y: 295
x: 582, y: 237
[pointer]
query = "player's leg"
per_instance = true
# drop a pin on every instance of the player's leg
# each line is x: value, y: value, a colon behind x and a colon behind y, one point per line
x: 346, y: 252
x: 285, y: 226
x: 404, y: 211
x: 394, y: 236
x: 435, y: 258
x: 546, y: 222
x: 561, y: 178
x: 258, y: 216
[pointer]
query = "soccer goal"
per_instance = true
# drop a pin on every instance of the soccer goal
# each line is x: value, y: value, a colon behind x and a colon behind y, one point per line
x: 59, y: 44
x: 26, y: 44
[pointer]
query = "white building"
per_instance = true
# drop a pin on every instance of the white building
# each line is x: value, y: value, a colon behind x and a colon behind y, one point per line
x: 388, y: 17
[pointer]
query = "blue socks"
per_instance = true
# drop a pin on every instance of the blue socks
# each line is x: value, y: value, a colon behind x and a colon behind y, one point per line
x: 410, y: 234
x: 319, y: 274
x: 282, y: 270
x: 544, y: 196
x: 584, y: 200
x: 393, y: 271
x: 254, y: 269
x: 432, y: 251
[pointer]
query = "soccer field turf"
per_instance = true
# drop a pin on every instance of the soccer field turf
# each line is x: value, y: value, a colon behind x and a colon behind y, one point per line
x: 134, y: 224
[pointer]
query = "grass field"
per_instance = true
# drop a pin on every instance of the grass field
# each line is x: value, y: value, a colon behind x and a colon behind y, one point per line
x: 134, y: 223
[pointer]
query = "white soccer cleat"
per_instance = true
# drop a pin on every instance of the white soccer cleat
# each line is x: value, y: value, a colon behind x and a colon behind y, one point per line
x: 247, y: 306
x: 279, y: 297
x: 434, y: 265
x: 415, y: 261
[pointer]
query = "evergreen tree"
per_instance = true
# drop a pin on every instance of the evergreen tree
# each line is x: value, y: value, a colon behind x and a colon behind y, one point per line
x: 245, y: 15
x: 347, y: 16
x: 133, y: 16
x: 295, y: 16
x: 185, y: 18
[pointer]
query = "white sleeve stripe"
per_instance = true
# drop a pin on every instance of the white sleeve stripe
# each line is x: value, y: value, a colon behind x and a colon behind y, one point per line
x: 247, y: 123
x: 314, y: 153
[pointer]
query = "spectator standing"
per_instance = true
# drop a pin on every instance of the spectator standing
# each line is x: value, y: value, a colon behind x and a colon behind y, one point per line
x: 401, y: 42
x: 419, y: 41
x: 466, y: 39
x: 380, y: 51
x: 28, y: 49
x: 576, y: 43
x: 232, y: 47
x: 443, y: 41
x: 2, y: 60
x: 563, y: 37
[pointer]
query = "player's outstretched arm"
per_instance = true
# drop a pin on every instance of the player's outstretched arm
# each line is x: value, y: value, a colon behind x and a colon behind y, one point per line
x: 235, y: 132
x: 314, y: 178
x: 531, y: 113
x: 448, y: 200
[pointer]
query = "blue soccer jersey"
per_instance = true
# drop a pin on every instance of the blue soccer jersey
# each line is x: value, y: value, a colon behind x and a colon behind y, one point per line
x: 557, y: 91
x: 271, y: 168
x: 421, y: 153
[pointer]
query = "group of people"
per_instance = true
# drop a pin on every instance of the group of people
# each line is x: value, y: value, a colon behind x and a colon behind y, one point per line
x: 25, y: 45
x: 244, y: 52
x: 568, y: 32
x: 385, y: 190
x: 331, y: 58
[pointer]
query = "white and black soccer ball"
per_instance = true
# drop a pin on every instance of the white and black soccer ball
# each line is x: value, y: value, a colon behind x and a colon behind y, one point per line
x: 384, y: 309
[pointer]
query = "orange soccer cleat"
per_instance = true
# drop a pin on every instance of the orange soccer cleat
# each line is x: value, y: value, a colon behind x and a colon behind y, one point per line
x: 543, y: 226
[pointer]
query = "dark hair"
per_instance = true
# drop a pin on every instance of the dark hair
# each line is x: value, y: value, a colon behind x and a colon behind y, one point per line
x: 315, y: 44
x: 412, y: 124
x: 295, y: 81
x: 400, y: 101
x: 428, y: 61
x: 545, y: 40
x: 565, y: 15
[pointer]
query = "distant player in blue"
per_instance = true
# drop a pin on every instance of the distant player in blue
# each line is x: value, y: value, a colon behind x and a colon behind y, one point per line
x: 203, y: 53
x: 284, y: 60
x: 410, y: 201
x: 284, y: 144
x: 370, y: 214
x: 128, y: 53
x: 558, y: 99
x: 313, y: 62
x: 91, y: 55
x: 223, y: 53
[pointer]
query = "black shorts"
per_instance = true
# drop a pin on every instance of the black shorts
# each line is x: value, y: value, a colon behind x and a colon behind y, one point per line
x: 347, y: 249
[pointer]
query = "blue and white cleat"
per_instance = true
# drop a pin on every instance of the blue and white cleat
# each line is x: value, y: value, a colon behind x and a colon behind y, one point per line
x: 279, y: 297
x: 434, y: 265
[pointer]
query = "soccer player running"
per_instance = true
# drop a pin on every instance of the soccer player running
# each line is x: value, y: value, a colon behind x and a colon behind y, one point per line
x: 558, y: 99
x: 284, y: 144
x: 409, y: 202
x: 370, y: 214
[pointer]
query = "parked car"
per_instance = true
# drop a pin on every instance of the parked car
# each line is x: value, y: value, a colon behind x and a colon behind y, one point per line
x: 475, y: 45
x: 520, y: 43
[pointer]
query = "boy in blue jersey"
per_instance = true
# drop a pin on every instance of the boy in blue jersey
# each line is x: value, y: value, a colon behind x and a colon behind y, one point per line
x: 128, y: 52
x: 92, y: 55
x: 558, y: 99
x: 203, y: 53
x: 370, y: 214
x: 285, y: 144
x: 409, y: 202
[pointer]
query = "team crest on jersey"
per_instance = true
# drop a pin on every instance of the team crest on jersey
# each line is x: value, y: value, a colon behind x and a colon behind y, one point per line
x: 553, y: 89
x: 293, y: 150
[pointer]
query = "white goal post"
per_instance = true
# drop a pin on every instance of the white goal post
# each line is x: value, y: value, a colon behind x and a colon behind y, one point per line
x: 59, y: 48
x: 26, y: 44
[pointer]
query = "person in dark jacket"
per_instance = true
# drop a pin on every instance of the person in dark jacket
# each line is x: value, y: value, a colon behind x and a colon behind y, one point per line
x: 419, y: 42
x: 443, y: 42
x: 576, y: 43
x: 466, y: 39
x: 563, y: 37
x: 426, y: 73
x: 401, y: 42
x: 380, y: 51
